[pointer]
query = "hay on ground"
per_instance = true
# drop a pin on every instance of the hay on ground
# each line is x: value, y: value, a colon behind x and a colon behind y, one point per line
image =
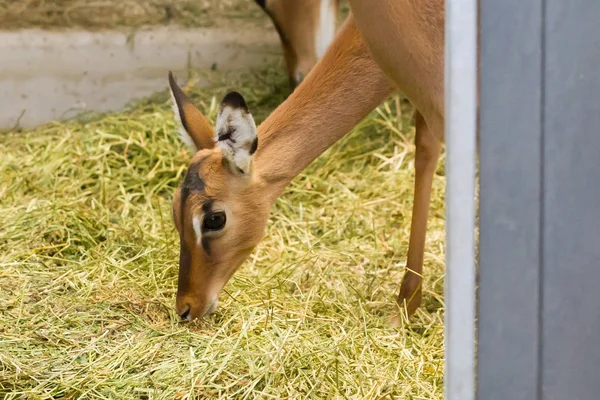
x: 127, y: 14
x: 88, y: 266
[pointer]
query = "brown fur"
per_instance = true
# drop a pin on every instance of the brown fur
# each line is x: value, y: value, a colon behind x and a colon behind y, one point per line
x: 297, y: 23
x: 408, y: 44
x: 195, y: 123
x: 388, y: 46
x: 247, y: 214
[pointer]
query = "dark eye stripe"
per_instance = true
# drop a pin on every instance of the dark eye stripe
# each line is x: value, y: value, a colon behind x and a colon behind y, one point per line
x: 206, y: 238
x: 185, y: 261
x: 191, y: 183
x: 206, y: 244
x: 207, y: 206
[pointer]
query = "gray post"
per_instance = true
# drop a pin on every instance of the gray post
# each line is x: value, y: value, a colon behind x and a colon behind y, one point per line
x: 570, y: 276
x: 539, y: 254
x: 461, y: 117
x: 509, y: 240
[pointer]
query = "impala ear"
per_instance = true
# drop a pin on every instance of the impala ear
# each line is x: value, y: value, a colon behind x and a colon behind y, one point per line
x: 194, y: 128
x: 236, y: 132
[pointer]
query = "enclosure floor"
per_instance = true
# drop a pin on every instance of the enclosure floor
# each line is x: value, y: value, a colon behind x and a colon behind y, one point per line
x: 89, y: 256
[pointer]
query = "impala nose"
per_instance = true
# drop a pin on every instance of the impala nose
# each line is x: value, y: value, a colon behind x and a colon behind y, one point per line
x: 188, y: 311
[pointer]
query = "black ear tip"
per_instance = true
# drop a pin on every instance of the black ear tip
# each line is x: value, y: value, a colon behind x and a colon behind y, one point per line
x: 172, y: 82
x: 235, y: 100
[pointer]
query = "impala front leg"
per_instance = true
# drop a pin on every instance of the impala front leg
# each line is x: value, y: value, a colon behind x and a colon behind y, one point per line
x: 428, y: 148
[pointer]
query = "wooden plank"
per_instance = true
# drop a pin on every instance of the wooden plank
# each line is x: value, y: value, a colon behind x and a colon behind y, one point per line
x: 571, y: 183
x: 510, y: 180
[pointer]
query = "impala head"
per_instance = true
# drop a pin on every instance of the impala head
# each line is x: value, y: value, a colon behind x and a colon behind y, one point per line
x: 218, y: 209
x: 306, y: 28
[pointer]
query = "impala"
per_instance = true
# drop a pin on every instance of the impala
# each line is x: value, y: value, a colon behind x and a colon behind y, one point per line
x: 305, y: 28
x: 238, y: 171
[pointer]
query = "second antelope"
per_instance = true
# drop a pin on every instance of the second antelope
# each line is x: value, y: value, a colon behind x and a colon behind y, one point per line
x: 305, y: 28
x: 238, y: 171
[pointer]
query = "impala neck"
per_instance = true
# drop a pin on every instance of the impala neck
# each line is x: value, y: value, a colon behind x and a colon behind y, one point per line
x: 338, y: 93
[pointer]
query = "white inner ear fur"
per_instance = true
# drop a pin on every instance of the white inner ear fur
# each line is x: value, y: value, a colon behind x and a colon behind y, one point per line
x: 197, y: 229
x: 326, y: 28
x: 235, y: 133
x: 183, y: 135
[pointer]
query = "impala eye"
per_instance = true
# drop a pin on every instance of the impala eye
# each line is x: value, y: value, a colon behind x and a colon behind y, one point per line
x: 214, y: 221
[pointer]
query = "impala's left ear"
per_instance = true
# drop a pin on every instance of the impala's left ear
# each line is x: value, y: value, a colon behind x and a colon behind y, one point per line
x: 194, y: 128
x: 235, y: 132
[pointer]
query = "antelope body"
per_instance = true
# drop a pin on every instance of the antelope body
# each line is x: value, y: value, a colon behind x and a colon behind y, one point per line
x: 305, y: 28
x: 238, y: 171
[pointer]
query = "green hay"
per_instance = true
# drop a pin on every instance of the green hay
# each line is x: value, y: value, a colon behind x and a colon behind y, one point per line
x: 110, y: 14
x: 88, y: 267
x: 134, y: 14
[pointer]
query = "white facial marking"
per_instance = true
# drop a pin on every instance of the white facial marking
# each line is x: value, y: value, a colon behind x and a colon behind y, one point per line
x: 326, y: 29
x: 197, y: 229
x: 240, y: 125
x: 185, y: 137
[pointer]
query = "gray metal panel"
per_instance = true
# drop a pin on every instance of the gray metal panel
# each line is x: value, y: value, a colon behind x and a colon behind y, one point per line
x: 571, y: 257
x: 510, y: 178
x: 461, y: 124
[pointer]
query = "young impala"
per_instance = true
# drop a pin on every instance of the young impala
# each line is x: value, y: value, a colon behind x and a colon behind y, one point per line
x: 305, y: 28
x: 238, y: 171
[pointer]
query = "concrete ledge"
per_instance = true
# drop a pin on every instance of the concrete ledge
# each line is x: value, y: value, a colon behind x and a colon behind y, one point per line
x: 56, y: 75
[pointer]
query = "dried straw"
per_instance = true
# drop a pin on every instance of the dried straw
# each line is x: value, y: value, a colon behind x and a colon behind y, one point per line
x: 88, y: 264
